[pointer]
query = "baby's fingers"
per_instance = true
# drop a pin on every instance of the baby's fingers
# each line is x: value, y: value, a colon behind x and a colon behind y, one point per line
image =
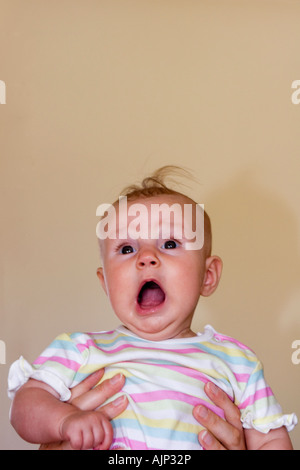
x: 103, y: 435
x: 87, y: 430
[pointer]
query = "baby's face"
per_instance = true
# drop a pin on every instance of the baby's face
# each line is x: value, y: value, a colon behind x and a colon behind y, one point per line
x: 154, y: 283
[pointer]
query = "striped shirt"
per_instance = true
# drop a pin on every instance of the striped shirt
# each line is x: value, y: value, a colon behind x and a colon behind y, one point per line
x: 164, y: 381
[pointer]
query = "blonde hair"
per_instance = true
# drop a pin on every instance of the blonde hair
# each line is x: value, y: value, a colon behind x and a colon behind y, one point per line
x: 155, y: 185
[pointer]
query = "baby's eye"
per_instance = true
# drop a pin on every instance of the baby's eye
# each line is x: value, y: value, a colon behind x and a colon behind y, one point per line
x: 126, y: 249
x: 170, y: 245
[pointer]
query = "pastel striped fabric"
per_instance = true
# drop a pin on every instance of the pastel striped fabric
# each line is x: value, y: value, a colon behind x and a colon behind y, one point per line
x: 164, y: 381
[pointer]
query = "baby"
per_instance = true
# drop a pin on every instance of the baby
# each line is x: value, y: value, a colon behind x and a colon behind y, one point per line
x: 155, y: 246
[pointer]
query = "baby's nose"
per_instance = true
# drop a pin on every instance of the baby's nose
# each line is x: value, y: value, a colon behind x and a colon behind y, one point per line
x: 147, y: 258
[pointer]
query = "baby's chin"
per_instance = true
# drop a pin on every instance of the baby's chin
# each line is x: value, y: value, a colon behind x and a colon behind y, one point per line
x: 152, y: 329
x: 146, y: 328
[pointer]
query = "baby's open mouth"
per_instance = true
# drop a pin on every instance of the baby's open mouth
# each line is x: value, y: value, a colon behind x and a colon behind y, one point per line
x: 151, y: 295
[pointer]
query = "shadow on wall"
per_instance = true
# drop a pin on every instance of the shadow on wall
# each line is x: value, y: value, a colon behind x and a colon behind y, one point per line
x: 255, y: 233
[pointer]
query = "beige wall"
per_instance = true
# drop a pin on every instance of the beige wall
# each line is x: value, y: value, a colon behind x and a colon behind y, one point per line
x: 99, y: 93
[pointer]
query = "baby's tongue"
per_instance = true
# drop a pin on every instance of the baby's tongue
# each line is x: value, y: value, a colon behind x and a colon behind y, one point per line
x: 151, y: 295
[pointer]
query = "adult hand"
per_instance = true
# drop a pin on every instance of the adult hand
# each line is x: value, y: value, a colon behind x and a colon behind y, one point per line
x: 220, y: 434
x: 87, y: 398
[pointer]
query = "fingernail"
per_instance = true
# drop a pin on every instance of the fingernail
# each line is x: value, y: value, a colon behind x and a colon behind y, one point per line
x: 207, y: 439
x: 119, y: 401
x: 212, y: 388
x: 115, y: 379
x: 202, y: 412
x: 96, y: 373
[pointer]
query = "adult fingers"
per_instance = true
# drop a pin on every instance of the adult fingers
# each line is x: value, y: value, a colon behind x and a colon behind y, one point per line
x: 86, y: 398
x: 222, y: 400
x: 62, y: 445
x: 113, y: 409
x: 92, y: 399
x: 209, y: 442
x: 86, y: 385
x: 219, y: 433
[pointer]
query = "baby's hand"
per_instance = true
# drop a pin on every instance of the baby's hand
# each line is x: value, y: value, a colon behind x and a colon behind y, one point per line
x: 87, y: 430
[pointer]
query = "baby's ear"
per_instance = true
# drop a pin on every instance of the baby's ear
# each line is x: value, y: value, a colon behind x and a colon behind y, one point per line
x: 213, y: 272
x: 101, y: 278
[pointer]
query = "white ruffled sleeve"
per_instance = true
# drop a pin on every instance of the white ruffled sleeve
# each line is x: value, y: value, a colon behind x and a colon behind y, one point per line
x: 289, y: 421
x: 21, y: 371
x: 259, y: 408
x: 58, y: 366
